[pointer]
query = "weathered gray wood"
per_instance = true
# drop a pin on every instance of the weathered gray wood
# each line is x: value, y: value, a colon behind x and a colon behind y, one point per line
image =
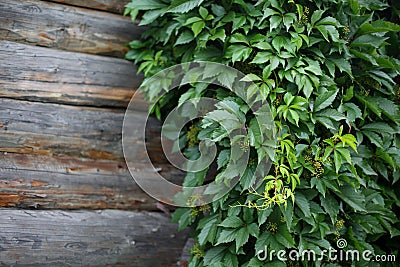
x: 61, y: 130
x: 88, y: 238
x: 40, y: 182
x: 68, y: 157
x: 115, y: 6
x: 43, y: 74
x: 66, y: 27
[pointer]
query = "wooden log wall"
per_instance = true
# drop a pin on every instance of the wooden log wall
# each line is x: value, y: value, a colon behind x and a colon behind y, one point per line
x: 92, y: 238
x: 66, y: 196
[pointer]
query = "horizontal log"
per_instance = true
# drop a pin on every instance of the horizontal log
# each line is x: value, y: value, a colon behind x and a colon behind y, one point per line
x: 61, y: 130
x: 115, y: 6
x: 88, y: 238
x: 69, y: 157
x: 66, y: 27
x: 49, y: 75
x: 40, y: 182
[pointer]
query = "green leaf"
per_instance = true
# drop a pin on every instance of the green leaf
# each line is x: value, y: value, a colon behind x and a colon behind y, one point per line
x: 230, y: 260
x: 263, y: 215
x: 302, y: 203
x: 197, y: 27
x: 349, y: 94
x: 239, y: 38
x: 287, y: 212
x: 193, y: 179
x: 331, y: 113
x: 182, y: 217
x: 227, y: 235
x: 242, y: 237
x: 338, y: 160
x: 377, y: 26
x: 386, y: 157
x: 184, y: 38
x: 284, y: 237
x: 214, y: 255
x: 342, y: 64
x: 374, y: 138
x: 146, y: 4
x: 355, y: 6
x: 295, y: 116
x: 369, y: 40
x: 203, y: 12
x: 315, y: 181
x: 262, y: 57
x: 238, y: 52
x: 317, y: 15
x: 330, y: 205
x: 345, y: 153
x: 354, y: 198
x: 371, y: 104
x: 219, y: 34
x: 324, y: 100
x: 182, y: 6
x: 379, y: 127
x: 352, y: 111
x: 151, y: 16
x: 326, y: 122
x: 208, y: 230
x: 280, y: 42
x: 223, y: 158
x: 232, y: 222
x: 275, y: 21
x: 253, y: 229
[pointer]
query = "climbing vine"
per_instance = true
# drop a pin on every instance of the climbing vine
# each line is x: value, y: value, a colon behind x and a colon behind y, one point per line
x: 330, y: 72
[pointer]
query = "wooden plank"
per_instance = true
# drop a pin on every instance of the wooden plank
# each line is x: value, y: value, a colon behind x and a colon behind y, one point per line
x: 115, y: 6
x: 61, y: 130
x: 88, y: 238
x: 49, y: 75
x: 66, y: 27
x: 39, y: 182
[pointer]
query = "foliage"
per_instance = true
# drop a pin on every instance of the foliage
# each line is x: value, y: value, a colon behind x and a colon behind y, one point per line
x: 330, y: 70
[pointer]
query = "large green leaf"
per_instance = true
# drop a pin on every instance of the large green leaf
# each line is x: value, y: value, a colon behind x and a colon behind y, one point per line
x: 354, y: 198
x: 146, y: 4
x: 182, y: 6
x: 377, y: 26
x: 325, y: 99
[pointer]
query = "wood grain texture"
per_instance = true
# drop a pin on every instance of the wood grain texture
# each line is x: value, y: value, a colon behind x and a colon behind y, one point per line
x: 88, y: 238
x: 61, y: 130
x: 68, y: 157
x: 66, y: 27
x: 115, y: 6
x: 49, y: 75
x: 40, y: 182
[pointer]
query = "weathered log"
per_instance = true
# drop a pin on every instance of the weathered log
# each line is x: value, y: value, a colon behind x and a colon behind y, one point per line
x: 49, y: 75
x: 40, y: 182
x: 61, y: 130
x: 68, y: 157
x: 115, y: 6
x: 66, y: 27
x: 88, y: 238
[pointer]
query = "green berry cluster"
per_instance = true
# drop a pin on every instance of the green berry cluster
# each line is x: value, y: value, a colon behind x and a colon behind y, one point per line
x: 244, y: 144
x: 339, y: 225
x: 304, y: 17
x: 272, y: 227
x: 192, y: 135
x: 196, y: 251
x: 318, y: 167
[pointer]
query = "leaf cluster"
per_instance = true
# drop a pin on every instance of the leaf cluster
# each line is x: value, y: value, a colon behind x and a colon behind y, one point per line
x: 330, y: 73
